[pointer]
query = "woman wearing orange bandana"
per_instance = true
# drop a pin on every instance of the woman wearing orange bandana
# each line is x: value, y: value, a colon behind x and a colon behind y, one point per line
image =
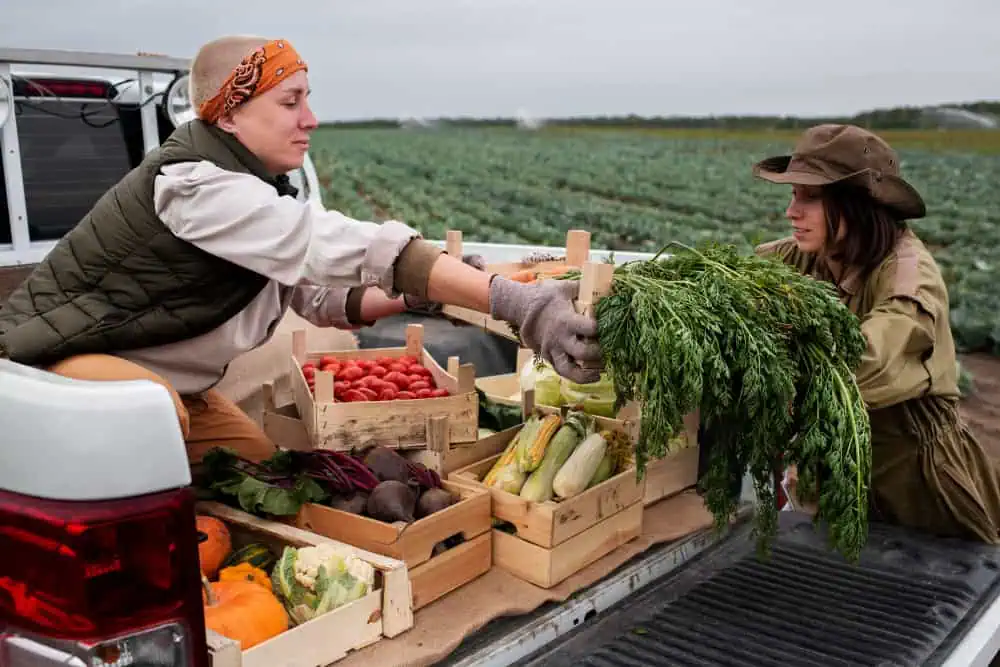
x: 194, y: 257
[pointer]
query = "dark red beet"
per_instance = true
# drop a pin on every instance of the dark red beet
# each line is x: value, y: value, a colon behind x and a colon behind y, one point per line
x: 387, y: 465
x: 354, y: 503
x: 434, y: 500
x: 392, y: 501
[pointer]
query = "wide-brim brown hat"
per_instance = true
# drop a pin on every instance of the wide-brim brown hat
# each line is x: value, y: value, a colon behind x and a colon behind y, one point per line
x: 830, y: 153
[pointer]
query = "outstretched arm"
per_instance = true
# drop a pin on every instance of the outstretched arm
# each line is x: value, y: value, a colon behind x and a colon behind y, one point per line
x: 242, y: 219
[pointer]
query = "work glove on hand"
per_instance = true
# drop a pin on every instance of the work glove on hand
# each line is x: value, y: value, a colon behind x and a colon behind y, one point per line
x: 548, y: 324
x: 415, y: 304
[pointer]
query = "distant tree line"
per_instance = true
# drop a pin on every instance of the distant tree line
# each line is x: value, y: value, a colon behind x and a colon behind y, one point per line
x: 897, y: 118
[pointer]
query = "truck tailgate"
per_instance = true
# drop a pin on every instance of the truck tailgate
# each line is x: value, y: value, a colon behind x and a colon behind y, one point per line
x: 911, y: 601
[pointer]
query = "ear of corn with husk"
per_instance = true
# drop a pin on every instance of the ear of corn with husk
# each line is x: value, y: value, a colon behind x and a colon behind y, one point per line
x: 581, y: 466
x: 617, y: 457
x: 538, y: 486
x: 534, y: 442
x: 506, y: 458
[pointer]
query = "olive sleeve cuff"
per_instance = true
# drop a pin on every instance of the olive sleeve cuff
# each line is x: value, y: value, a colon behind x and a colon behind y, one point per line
x: 413, y: 267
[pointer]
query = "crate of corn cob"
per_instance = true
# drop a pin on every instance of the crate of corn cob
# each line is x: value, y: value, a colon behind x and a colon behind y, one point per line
x: 565, y: 493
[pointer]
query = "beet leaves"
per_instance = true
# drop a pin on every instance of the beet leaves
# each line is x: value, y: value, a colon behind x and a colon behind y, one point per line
x: 281, y: 484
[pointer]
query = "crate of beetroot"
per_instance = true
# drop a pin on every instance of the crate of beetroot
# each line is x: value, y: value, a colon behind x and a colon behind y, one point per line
x: 375, y: 499
x: 353, y: 398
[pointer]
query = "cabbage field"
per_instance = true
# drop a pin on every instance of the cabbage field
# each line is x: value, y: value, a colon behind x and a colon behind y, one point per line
x: 637, y: 191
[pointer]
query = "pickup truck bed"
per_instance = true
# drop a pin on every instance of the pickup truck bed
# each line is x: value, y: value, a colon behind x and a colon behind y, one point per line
x: 707, y: 600
x: 911, y: 601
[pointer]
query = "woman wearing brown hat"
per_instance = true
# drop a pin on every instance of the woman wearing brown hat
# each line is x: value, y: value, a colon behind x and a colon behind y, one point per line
x: 848, y: 211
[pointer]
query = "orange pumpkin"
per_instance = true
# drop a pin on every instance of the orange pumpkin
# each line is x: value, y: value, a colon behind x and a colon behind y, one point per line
x: 245, y: 572
x: 243, y: 611
x: 214, y: 549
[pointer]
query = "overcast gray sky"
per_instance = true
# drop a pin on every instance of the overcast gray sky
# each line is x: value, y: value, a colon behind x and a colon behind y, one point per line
x: 569, y: 57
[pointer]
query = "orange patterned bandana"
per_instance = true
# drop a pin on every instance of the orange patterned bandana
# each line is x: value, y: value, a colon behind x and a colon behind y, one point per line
x: 262, y: 69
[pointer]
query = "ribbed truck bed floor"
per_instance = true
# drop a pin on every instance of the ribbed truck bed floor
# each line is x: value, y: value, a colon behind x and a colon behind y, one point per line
x: 906, y: 603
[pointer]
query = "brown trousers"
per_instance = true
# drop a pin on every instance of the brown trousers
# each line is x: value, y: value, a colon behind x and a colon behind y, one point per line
x: 207, y: 420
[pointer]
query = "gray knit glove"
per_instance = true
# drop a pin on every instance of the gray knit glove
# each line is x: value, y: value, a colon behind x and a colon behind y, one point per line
x: 414, y: 304
x: 548, y: 324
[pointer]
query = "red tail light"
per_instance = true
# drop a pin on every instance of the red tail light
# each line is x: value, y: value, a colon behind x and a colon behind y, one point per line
x: 48, y: 87
x: 97, y: 573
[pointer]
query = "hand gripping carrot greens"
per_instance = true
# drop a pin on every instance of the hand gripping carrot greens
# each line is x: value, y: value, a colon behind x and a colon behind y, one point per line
x: 767, y: 355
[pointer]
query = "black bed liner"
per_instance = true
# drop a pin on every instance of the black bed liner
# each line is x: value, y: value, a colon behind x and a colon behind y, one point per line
x: 907, y: 603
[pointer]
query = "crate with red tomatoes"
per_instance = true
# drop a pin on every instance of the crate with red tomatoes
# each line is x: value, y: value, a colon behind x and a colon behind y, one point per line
x: 353, y: 398
x: 383, y: 378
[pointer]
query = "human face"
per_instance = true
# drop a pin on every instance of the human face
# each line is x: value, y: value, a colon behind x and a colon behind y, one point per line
x: 808, y: 218
x: 275, y: 125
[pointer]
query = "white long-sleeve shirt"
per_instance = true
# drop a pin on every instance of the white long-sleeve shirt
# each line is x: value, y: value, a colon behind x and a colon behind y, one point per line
x: 311, y: 255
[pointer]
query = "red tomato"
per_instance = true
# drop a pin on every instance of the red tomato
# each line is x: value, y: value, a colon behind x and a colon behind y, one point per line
x: 354, y: 396
x: 309, y: 371
x: 417, y: 386
x: 383, y: 361
x: 327, y: 360
x: 417, y: 369
x: 350, y: 373
x: 397, y: 367
x: 439, y: 393
x: 369, y: 393
x: 383, y: 384
x: 363, y: 364
x: 423, y: 393
x: 341, y: 386
x: 363, y: 382
x: 377, y: 371
x: 398, y: 379
x: 408, y: 360
x: 332, y: 368
x: 387, y: 394
x: 405, y: 396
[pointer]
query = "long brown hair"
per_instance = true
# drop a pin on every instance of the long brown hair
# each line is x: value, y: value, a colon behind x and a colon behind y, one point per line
x: 871, y: 229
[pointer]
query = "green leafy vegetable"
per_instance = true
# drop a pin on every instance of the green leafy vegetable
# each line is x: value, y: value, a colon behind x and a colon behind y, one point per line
x: 256, y: 488
x: 497, y: 416
x: 767, y: 355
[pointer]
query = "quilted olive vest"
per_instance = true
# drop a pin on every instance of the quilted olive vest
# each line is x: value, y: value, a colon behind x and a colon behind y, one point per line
x: 121, y: 280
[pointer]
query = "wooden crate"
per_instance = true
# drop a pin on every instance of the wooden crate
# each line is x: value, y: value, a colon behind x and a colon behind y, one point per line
x: 386, y: 611
x: 678, y: 470
x: 577, y: 253
x: 431, y: 576
x: 565, y: 536
x: 445, y: 457
x: 549, y: 567
x: 665, y: 477
x: 396, y: 424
